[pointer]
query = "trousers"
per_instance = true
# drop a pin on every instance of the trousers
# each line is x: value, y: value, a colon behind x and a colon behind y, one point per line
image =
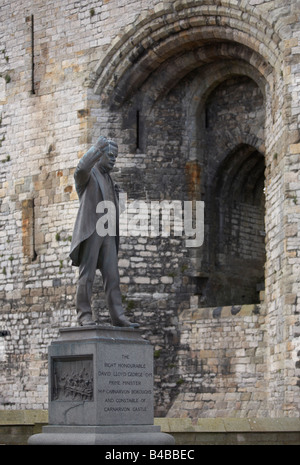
x: 99, y: 252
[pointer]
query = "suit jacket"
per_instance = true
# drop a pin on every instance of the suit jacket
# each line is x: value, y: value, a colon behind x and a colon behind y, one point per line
x: 89, y: 183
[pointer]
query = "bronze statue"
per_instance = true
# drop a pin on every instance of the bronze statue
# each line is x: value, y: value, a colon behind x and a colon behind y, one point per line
x: 89, y: 250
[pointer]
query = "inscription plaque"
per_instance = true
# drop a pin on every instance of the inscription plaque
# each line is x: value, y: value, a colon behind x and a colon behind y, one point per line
x: 125, y: 384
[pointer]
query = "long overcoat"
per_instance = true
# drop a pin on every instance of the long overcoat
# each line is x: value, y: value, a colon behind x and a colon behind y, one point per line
x: 90, y: 187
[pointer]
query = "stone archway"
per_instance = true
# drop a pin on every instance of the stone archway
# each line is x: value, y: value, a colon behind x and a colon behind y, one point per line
x: 226, y: 128
x: 238, y: 251
x: 170, y: 33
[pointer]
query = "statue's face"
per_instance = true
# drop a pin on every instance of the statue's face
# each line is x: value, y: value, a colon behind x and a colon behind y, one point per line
x: 108, y: 159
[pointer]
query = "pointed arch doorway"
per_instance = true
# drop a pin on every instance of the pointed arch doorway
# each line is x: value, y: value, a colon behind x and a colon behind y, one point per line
x: 229, y: 134
x: 237, y: 224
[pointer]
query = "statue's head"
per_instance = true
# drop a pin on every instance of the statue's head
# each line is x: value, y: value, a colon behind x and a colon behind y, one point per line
x: 110, y: 153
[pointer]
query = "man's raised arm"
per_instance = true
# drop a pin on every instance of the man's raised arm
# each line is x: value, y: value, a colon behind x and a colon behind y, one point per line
x: 85, y: 165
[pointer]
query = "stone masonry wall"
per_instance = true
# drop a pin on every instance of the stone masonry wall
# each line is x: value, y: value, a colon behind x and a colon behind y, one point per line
x: 202, y: 98
x: 223, y: 364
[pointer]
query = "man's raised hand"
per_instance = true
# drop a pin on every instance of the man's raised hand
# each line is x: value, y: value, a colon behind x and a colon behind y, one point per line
x: 101, y: 143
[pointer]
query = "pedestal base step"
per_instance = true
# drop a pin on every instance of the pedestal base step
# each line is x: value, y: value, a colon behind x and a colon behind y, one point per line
x: 101, y: 435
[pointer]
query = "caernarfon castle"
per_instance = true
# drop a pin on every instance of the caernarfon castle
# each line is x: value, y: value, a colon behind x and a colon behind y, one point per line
x: 202, y: 98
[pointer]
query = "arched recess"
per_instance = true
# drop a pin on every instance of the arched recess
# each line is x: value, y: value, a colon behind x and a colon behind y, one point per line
x: 226, y: 132
x: 213, y: 43
x: 173, y: 31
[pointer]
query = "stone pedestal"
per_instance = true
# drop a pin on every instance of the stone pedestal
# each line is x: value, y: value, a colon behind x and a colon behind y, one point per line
x: 101, y: 389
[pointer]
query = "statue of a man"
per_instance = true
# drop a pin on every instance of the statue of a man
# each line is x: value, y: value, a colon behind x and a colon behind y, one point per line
x: 89, y: 250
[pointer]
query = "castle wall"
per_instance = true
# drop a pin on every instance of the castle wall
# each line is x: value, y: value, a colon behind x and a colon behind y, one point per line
x: 157, y: 76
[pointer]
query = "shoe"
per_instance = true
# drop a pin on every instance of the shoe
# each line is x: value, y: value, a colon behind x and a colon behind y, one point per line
x: 124, y: 323
x: 87, y: 321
